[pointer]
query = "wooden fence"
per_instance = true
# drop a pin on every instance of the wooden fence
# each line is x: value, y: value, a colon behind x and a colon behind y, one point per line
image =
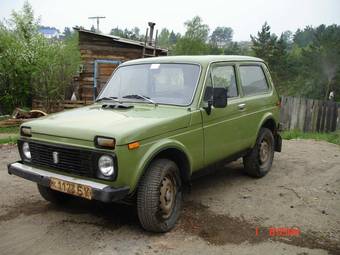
x: 309, y: 115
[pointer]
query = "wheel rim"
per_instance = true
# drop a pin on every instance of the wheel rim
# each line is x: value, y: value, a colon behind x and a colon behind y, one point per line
x: 167, y: 196
x: 265, y: 151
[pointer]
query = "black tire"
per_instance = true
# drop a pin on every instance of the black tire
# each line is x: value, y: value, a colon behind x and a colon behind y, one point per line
x: 154, y: 213
x: 53, y: 196
x: 256, y: 162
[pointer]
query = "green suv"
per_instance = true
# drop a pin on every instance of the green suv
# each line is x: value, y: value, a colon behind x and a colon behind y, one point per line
x: 157, y: 122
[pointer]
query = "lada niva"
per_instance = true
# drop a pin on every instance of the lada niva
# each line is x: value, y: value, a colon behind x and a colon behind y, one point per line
x: 156, y: 123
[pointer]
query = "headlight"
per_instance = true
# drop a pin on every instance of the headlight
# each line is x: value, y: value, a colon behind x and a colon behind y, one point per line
x: 106, y: 165
x: 26, y: 150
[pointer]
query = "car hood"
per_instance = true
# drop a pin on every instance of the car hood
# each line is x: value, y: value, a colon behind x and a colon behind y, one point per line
x: 125, y: 125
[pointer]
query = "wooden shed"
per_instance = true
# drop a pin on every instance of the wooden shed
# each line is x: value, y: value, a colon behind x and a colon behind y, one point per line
x: 101, y: 54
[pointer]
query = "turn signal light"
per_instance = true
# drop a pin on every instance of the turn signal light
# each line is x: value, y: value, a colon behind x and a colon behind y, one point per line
x: 133, y: 146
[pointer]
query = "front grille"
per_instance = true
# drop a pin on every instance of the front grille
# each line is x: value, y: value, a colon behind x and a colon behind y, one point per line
x: 71, y: 160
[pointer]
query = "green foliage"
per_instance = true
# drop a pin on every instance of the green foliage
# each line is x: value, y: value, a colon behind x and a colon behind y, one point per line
x: 54, y: 71
x: 221, y: 36
x: 194, y: 40
x: 11, y: 129
x: 167, y: 39
x: 190, y: 46
x: 304, y: 37
x: 9, y: 135
x: 264, y: 44
x: 31, y: 65
x: 308, y: 65
x: 10, y: 139
x: 196, y: 30
x: 329, y: 137
x: 133, y: 34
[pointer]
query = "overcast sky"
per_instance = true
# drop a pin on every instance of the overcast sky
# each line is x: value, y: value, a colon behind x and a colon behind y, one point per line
x: 245, y: 17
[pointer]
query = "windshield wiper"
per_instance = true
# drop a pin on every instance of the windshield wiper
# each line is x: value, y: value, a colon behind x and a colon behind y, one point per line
x: 108, y: 98
x: 138, y: 96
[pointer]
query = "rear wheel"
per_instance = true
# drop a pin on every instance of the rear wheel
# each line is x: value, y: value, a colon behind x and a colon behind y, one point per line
x: 53, y: 196
x: 258, y: 161
x: 159, y: 196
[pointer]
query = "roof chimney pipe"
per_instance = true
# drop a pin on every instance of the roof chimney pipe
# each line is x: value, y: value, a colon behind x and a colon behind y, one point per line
x: 152, y: 26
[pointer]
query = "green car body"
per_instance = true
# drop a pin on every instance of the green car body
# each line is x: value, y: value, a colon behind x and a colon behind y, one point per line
x: 191, y: 136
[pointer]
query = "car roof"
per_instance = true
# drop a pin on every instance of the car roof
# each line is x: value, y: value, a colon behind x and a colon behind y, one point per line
x: 203, y: 60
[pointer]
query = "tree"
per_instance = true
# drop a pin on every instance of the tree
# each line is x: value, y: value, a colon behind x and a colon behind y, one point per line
x: 117, y: 32
x: 304, y: 37
x: 221, y: 36
x: 173, y: 38
x: 163, y: 38
x: 321, y: 58
x: 31, y: 65
x: 167, y: 39
x: 196, y: 30
x: 264, y: 43
x: 67, y: 33
x: 18, y: 57
x: 194, y: 40
x: 133, y: 34
x: 188, y: 46
x: 58, y: 63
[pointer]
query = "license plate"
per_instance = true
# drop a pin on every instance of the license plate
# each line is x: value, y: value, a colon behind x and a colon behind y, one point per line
x: 71, y: 188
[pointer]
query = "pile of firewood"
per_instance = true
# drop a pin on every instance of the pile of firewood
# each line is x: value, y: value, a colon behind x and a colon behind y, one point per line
x: 19, y: 116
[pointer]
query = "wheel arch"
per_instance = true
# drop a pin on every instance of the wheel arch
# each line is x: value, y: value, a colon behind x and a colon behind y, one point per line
x: 172, y: 150
x: 268, y: 121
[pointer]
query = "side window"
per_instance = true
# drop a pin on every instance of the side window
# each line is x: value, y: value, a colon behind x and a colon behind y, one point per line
x: 221, y: 76
x: 253, y: 80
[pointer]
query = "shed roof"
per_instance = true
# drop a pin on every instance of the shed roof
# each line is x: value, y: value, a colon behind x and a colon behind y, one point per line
x: 119, y: 39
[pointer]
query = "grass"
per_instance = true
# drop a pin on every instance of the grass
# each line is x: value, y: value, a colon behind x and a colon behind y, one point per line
x: 9, y: 129
x: 9, y: 139
x: 9, y: 135
x: 333, y: 137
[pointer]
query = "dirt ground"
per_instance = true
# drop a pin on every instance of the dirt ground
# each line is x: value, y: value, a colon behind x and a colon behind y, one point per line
x: 220, y: 216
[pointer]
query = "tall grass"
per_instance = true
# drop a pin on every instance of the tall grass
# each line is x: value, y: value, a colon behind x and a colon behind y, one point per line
x: 333, y: 137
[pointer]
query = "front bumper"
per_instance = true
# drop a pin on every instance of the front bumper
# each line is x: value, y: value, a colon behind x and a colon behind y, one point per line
x: 100, y: 192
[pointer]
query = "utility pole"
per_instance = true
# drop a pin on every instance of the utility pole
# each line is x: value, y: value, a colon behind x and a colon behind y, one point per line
x: 97, y: 18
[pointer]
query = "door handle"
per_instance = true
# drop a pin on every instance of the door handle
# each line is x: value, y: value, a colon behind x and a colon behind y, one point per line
x: 241, y: 106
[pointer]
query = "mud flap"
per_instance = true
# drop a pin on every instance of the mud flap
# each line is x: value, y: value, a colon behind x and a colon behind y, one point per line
x: 278, y: 143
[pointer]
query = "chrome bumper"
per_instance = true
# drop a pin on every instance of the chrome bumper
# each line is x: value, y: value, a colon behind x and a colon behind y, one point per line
x: 101, y: 192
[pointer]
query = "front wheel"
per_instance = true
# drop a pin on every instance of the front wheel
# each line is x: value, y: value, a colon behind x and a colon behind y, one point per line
x: 159, y: 196
x: 258, y: 161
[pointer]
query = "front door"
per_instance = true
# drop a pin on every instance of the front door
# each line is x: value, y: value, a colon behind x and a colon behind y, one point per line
x: 223, y: 127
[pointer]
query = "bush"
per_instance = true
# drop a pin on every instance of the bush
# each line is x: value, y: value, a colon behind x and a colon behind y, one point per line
x: 32, y: 66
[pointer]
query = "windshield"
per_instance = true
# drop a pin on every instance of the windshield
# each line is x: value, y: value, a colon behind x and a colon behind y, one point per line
x: 161, y: 83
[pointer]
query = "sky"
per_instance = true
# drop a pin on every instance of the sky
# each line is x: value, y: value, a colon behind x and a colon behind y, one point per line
x: 244, y: 16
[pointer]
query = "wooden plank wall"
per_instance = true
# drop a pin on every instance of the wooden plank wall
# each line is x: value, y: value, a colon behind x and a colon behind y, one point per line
x: 95, y: 47
x: 309, y: 115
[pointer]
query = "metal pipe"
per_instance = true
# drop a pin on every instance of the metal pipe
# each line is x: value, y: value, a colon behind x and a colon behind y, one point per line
x: 152, y: 26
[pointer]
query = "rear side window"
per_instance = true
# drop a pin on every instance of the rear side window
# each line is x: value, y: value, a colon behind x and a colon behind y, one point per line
x: 253, y: 80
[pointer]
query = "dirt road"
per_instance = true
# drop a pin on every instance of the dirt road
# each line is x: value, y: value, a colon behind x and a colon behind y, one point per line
x: 221, y: 213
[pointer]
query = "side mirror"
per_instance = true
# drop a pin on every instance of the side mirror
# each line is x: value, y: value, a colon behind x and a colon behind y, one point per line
x: 220, y: 97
